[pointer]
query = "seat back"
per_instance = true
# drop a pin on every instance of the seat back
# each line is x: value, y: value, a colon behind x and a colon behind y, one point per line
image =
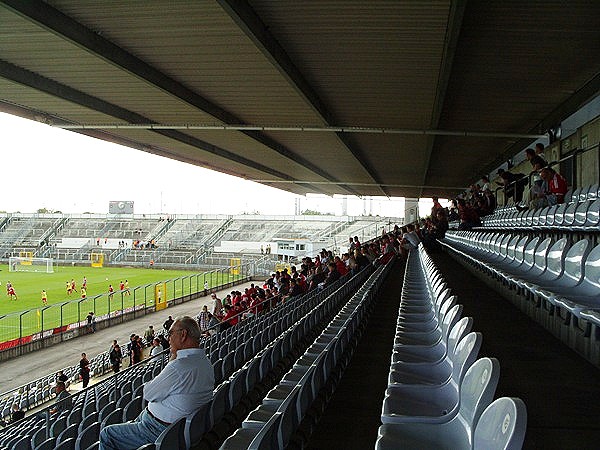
x: 569, y: 216
x: 218, y: 406
x: 529, y: 253
x: 458, y: 331
x: 195, y: 426
x: 267, y: 439
x: 465, y: 355
x: 559, y: 214
x: 88, y: 436
x: 593, y: 214
x: 555, y: 262
x: 114, y: 417
x: 133, y: 409
x: 581, y: 213
x: 511, y: 247
x: 502, y: 425
x: 450, y: 320
x: 69, y: 432
x: 478, y: 388
x: 289, y: 418
x: 575, y: 260
x: 520, y: 249
x: 592, y: 270
x: 172, y: 437
x: 550, y: 215
x: 592, y: 194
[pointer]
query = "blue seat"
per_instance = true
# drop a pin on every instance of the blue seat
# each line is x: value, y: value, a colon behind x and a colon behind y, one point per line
x: 88, y: 437
x: 69, y: 432
x: 265, y: 439
x: 173, y: 437
x: 195, y: 426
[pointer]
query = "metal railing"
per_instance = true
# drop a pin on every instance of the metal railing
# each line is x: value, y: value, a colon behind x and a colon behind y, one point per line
x: 571, y: 156
x: 22, y: 328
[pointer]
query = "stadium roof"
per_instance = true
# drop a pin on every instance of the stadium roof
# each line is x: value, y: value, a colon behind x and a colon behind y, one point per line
x: 398, y: 98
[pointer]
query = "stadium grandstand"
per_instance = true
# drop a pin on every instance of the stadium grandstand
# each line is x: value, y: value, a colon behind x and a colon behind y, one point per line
x: 473, y: 326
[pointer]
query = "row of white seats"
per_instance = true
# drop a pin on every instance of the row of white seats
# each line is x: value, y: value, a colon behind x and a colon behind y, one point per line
x: 439, y: 395
x: 554, y: 281
x: 584, y: 216
x: 287, y: 405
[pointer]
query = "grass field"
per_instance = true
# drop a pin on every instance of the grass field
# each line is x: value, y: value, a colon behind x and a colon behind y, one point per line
x: 63, y: 309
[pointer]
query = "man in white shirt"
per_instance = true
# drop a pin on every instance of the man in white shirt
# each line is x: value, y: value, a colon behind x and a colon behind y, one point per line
x: 184, y: 385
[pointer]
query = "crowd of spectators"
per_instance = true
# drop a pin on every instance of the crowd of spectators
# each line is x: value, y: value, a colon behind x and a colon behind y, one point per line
x: 546, y: 188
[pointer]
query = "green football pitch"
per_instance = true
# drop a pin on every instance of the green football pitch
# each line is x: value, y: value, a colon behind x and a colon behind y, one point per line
x: 64, y: 309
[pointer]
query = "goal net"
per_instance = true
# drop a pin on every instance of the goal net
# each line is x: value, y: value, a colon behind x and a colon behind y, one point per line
x: 30, y: 264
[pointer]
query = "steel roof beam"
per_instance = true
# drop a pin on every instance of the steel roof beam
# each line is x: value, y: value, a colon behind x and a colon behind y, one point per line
x: 455, y: 18
x: 44, y: 15
x: 252, y: 25
x: 560, y: 113
x: 48, y: 86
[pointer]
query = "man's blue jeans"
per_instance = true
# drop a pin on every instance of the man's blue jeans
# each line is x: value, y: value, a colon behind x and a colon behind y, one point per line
x: 145, y: 429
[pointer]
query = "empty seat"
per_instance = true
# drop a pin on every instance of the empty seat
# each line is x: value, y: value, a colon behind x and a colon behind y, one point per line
x: 476, y: 393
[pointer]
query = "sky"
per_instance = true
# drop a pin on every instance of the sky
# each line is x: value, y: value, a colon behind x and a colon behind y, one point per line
x: 60, y: 170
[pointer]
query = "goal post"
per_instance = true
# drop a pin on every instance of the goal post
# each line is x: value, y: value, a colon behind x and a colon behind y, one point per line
x: 30, y: 264
x: 97, y: 259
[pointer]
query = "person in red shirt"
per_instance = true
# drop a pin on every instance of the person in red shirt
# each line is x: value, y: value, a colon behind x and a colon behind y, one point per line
x: 229, y: 318
x: 121, y: 286
x: 340, y: 266
x: 556, y: 185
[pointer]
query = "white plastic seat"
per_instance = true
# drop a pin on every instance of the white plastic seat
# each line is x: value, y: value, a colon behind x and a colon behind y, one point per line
x: 571, y: 275
x: 427, y: 353
x: 436, y: 373
x: 502, y: 425
x: 430, y: 403
x: 586, y: 295
x: 476, y: 393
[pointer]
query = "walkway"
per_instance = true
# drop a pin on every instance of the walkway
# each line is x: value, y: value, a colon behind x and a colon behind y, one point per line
x: 559, y: 387
x: 26, y: 368
x: 351, y: 419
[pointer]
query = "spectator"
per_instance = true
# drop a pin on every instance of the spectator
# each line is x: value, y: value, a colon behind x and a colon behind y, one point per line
x: 537, y: 195
x: 217, y: 305
x: 156, y: 347
x: 537, y: 162
x: 115, y: 357
x: 181, y: 388
x: 410, y: 240
x: 556, y: 186
x: 514, y: 185
x: 468, y: 216
x: 539, y: 150
x: 332, y: 276
x: 84, y: 370
x: 230, y: 319
x: 203, y: 319
x: 89, y: 319
x: 168, y: 323
x: 17, y: 413
x: 149, y: 335
x: 63, y: 399
x: 136, y: 348
x: 486, y: 183
x: 61, y: 377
